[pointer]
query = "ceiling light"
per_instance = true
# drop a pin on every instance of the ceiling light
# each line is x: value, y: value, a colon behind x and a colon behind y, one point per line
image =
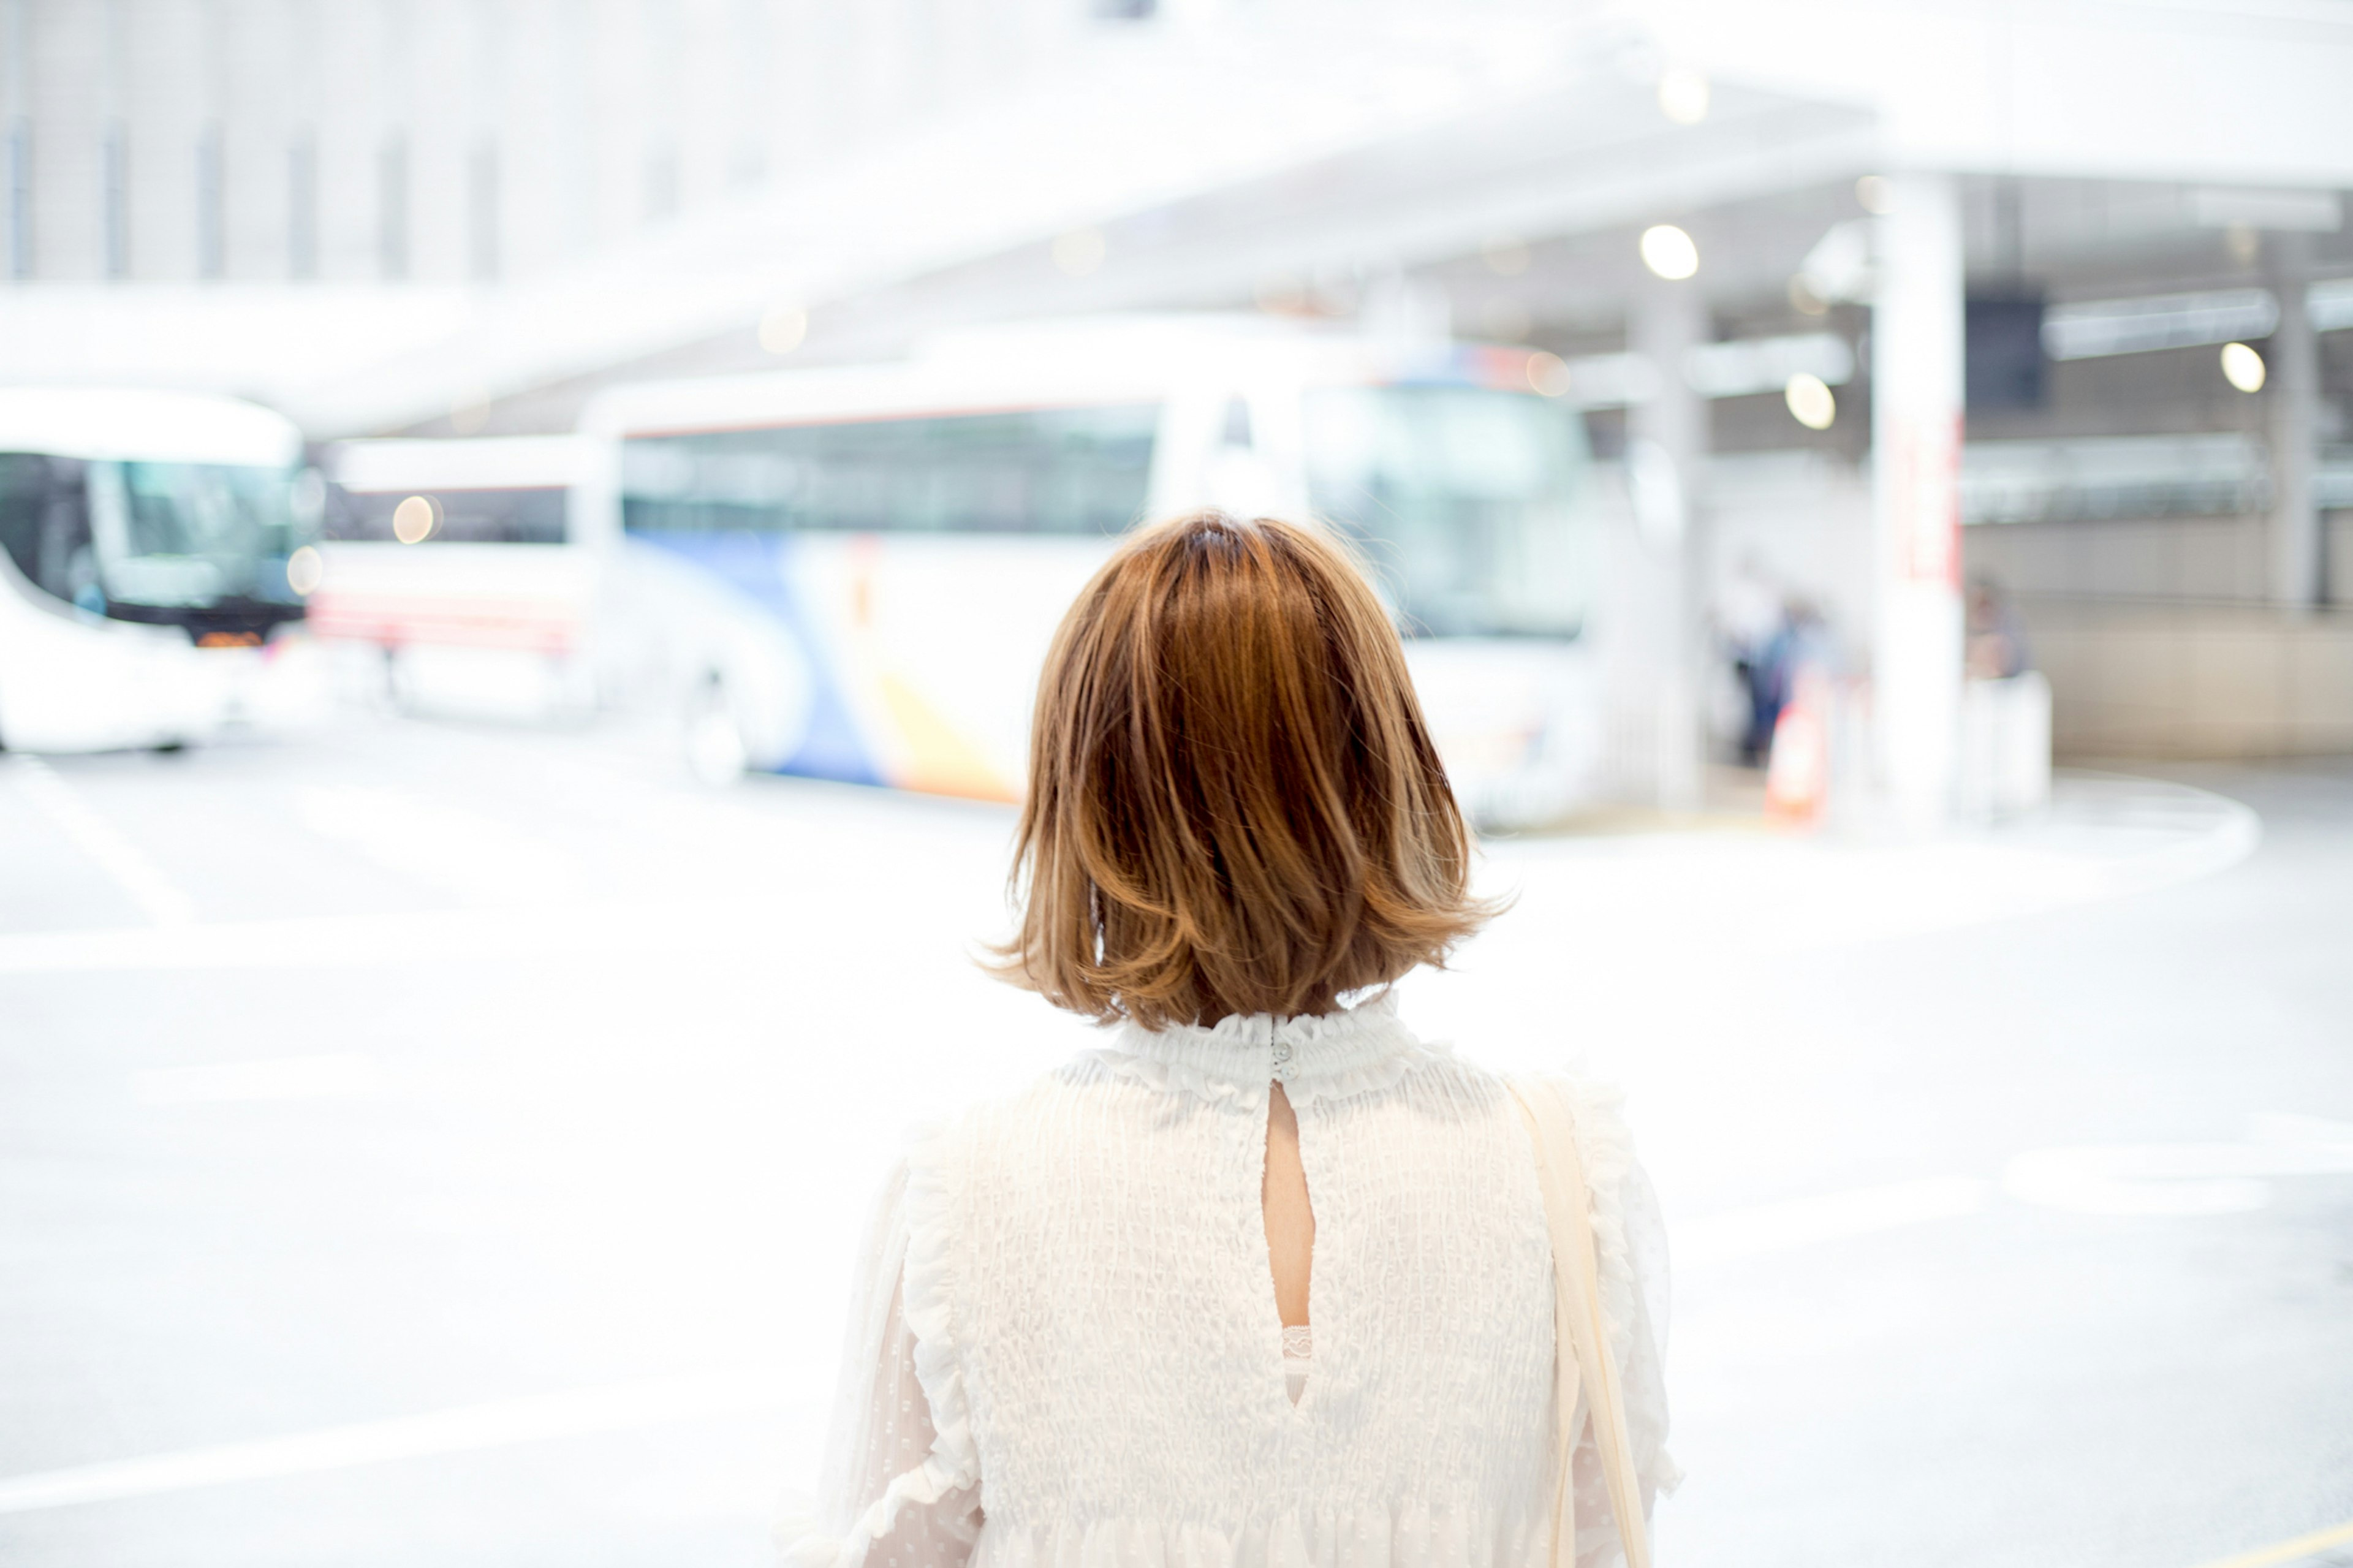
x: 1810, y: 403
x: 1669, y: 252
x: 1682, y: 96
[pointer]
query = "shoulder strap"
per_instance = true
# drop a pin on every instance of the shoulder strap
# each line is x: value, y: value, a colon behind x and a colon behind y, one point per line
x: 1580, y: 1328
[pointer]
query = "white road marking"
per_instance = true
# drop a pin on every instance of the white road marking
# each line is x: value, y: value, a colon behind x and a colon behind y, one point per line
x: 1742, y: 1233
x: 1756, y: 1231
x: 1832, y: 1216
x: 2181, y: 1179
x: 572, y: 930
x: 496, y: 1424
x: 157, y: 898
x: 340, y: 1077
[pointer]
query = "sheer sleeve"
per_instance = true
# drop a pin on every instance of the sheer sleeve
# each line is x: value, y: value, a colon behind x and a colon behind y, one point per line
x: 1631, y: 1238
x: 894, y: 1492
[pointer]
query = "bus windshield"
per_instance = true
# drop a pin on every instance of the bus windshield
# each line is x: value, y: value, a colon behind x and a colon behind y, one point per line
x: 1465, y: 498
x: 188, y: 535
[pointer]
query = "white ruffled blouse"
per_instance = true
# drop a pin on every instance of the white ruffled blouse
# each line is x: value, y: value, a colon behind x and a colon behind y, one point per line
x: 1067, y: 1355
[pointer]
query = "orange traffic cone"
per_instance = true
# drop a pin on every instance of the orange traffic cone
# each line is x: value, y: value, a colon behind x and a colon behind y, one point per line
x: 1797, y: 774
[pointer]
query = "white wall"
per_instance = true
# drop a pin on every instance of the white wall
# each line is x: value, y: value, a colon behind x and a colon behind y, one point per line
x: 605, y: 116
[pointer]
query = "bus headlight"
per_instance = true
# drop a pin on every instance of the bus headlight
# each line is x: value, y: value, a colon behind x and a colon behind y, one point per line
x: 305, y: 570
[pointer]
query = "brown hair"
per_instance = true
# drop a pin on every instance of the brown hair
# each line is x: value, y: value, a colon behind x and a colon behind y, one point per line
x: 1234, y: 805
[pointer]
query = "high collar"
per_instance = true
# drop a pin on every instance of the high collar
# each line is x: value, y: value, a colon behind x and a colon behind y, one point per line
x: 1324, y: 1052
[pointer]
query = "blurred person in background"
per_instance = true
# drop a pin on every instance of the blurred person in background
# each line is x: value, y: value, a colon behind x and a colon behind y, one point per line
x: 1746, y: 618
x: 1802, y: 642
x: 1797, y: 647
x: 1084, y: 1334
x: 1996, y: 648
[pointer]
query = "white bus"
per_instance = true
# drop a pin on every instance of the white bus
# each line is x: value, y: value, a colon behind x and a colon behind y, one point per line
x: 853, y: 573
x: 154, y: 548
x: 452, y: 573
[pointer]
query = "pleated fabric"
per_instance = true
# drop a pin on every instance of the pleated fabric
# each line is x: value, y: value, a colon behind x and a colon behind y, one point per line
x: 1067, y: 1353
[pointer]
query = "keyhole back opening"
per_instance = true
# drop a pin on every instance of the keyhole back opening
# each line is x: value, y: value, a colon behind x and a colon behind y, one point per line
x: 1287, y: 1210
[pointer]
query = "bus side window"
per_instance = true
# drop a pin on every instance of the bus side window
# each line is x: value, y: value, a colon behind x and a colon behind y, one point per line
x: 24, y: 499
x: 45, y: 525
x: 1083, y: 471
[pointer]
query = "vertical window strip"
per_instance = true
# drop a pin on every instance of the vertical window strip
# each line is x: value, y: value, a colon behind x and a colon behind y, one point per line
x: 392, y: 206
x: 482, y: 210
x: 20, y: 198
x: 302, y: 204
x: 211, y: 202
x: 19, y: 173
x: 114, y: 197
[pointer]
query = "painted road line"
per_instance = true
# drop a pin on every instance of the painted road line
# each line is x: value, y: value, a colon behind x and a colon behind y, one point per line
x: 2311, y: 1546
x: 1739, y: 1233
x: 2181, y: 1179
x: 378, y: 938
x: 157, y: 898
x: 1832, y: 1216
x: 497, y: 1424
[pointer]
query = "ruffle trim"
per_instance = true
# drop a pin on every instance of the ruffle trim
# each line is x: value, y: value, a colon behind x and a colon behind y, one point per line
x: 1342, y: 1026
x: 1205, y: 1084
x: 1362, y: 1050
x: 926, y: 1294
x: 1606, y: 1144
x: 1368, y: 1535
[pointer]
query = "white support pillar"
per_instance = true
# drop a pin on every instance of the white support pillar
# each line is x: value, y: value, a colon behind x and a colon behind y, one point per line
x: 1667, y: 445
x: 1917, y: 393
x: 2293, y: 387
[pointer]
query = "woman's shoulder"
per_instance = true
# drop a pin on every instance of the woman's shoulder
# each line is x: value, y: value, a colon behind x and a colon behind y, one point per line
x: 1598, y: 1104
x: 1016, y: 1107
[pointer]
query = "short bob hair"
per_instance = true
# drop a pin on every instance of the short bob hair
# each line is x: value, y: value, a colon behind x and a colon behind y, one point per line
x: 1234, y: 805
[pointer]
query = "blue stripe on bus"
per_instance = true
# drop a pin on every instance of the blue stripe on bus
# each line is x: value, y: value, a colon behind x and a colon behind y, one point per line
x: 760, y: 568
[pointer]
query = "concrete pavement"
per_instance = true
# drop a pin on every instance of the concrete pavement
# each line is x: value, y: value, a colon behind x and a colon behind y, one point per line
x: 425, y: 1144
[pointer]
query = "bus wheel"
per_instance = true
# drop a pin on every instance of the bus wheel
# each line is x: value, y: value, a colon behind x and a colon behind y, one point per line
x: 716, y: 751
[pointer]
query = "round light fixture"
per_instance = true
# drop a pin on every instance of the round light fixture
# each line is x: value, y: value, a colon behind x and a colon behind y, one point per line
x: 782, y: 328
x: 2242, y: 367
x: 305, y: 570
x: 1669, y: 252
x: 413, y: 519
x: 1810, y: 400
x: 1682, y: 96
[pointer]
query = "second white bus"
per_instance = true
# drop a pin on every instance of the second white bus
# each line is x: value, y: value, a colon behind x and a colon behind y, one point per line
x: 853, y: 573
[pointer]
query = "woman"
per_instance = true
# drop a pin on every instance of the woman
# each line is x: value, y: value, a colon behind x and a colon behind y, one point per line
x: 1265, y: 1279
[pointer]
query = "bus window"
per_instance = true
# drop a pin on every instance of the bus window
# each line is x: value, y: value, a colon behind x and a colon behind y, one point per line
x: 1049, y: 470
x: 1464, y: 498
x: 45, y: 527
x: 191, y: 535
x: 520, y: 515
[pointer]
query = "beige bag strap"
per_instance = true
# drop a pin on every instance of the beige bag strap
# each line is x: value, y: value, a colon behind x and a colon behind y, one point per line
x: 1580, y: 1327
